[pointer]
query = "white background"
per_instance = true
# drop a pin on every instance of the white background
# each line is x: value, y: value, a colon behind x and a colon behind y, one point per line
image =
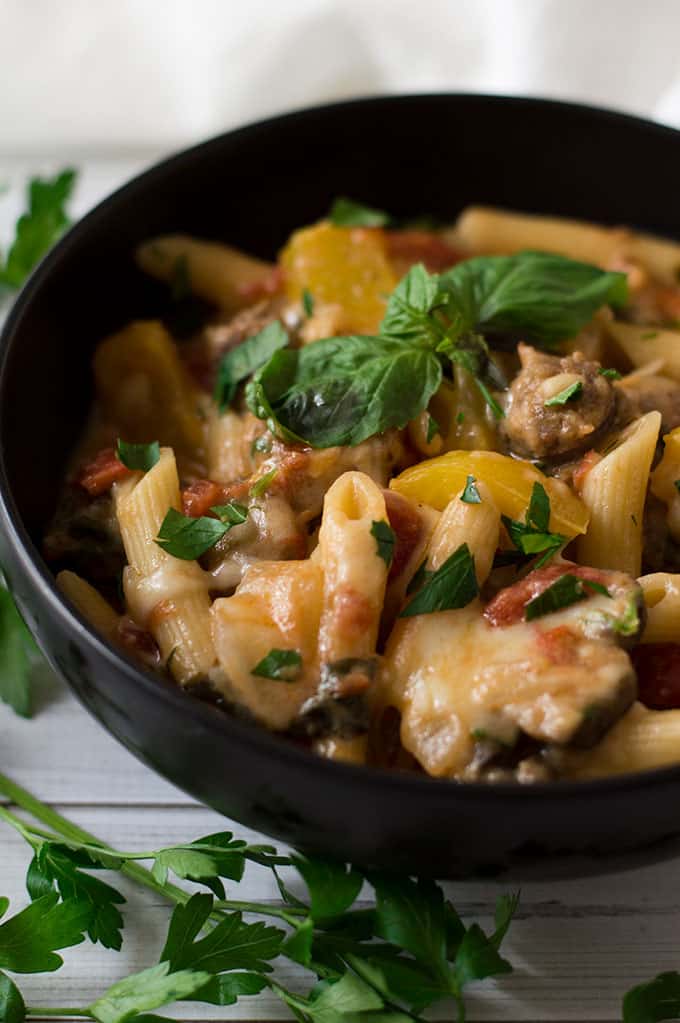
x: 153, y: 75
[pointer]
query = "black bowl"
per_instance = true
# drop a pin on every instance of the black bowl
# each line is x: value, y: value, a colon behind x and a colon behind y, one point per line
x: 252, y: 187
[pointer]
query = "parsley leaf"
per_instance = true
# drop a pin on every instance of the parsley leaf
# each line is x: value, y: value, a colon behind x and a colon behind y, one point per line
x: 471, y: 495
x: 477, y: 958
x: 55, y: 864
x: 239, y: 362
x: 411, y: 914
x: 610, y: 374
x: 343, y: 390
x: 656, y: 1000
x: 16, y: 647
x: 138, y: 456
x: 538, y: 513
x: 385, y: 540
x: 146, y: 990
x: 187, y: 538
x: 12, y: 1006
x: 307, y: 302
x: 280, y: 665
x: 567, y: 394
x: 230, y: 945
x: 533, y: 536
x: 564, y: 592
x: 227, y: 988
x: 542, y: 296
x: 39, y: 228
x: 28, y: 941
x: 232, y: 514
x: 453, y: 585
x: 332, y: 886
x: 432, y: 429
x: 261, y: 485
x: 348, y: 213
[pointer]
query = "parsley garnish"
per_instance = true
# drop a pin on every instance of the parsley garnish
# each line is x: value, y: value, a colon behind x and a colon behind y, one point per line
x: 280, y: 665
x: 460, y: 418
x: 432, y: 429
x: 568, y: 394
x: 452, y: 585
x: 649, y: 335
x: 471, y: 495
x: 261, y: 485
x: 39, y: 228
x: 16, y: 650
x: 307, y: 302
x: 232, y: 514
x: 29, y: 941
x: 565, y: 591
x: 385, y: 540
x: 261, y: 444
x: 342, y: 390
x: 138, y: 456
x: 348, y: 213
x: 654, y: 1000
x: 238, y: 363
x: 188, y: 538
x: 533, y: 536
x: 610, y: 374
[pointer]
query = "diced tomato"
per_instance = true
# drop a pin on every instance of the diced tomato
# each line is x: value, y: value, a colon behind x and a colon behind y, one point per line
x: 507, y: 607
x: 408, y: 527
x: 409, y: 247
x: 557, y: 644
x: 102, y: 472
x: 199, y: 497
x: 658, y: 671
x: 267, y: 286
x: 588, y: 462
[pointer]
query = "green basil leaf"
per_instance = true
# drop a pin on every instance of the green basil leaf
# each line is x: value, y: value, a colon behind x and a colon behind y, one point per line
x: 544, y: 297
x: 343, y: 390
x: 279, y: 665
x: 140, y: 457
x: 564, y: 592
x: 656, y: 1000
x: 385, y: 539
x: 187, y: 538
x: 12, y: 1006
x: 348, y: 213
x: 410, y: 305
x: 567, y: 394
x: 471, y: 495
x: 238, y: 363
x: 453, y: 585
x: 232, y: 514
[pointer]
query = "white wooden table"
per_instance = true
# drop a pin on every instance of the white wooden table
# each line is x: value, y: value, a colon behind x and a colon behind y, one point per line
x: 576, y: 945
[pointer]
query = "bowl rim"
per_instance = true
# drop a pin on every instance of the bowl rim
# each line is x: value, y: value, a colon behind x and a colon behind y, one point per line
x: 73, y: 624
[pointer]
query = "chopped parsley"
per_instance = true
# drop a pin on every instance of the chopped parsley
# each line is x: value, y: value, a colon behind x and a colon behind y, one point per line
x: 568, y: 394
x: 452, y: 585
x: 141, y: 457
x: 533, y: 536
x: 307, y: 302
x: 432, y: 429
x: 188, y: 538
x: 610, y: 374
x: 565, y: 591
x: 470, y: 494
x: 243, y: 360
x: 261, y: 486
x: 385, y: 539
x: 279, y: 665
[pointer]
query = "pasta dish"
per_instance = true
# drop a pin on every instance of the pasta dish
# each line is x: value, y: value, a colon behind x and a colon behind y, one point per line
x: 409, y: 496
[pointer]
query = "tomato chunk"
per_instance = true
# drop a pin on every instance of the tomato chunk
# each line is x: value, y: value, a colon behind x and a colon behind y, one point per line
x: 658, y: 671
x: 200, y: 496
x: 102, y: 472
x: 507, y: 607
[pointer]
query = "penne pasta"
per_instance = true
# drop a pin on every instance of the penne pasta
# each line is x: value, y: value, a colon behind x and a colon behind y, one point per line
x: 477, y: 525
x: 642, y: 740
x: 642, y: 345
x: 89, y: 601
x: 614, y: 492
x: 661, y: 592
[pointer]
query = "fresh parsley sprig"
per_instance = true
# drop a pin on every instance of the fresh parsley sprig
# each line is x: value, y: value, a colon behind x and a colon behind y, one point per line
x: 452, y: 585
x: 343, y: 390
x: 188, y: 538
x: 17, y: 649
x: 38, y: 228
x: 533, y: 536
x: 424, y: 952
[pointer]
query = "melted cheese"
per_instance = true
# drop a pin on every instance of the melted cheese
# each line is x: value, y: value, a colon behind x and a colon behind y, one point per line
x: 172, y: 578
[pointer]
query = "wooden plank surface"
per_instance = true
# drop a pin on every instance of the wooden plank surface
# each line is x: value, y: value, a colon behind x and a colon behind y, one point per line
x: 576, y: 945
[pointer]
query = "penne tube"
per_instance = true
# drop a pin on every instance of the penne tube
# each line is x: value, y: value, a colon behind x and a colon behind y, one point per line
x: 642, y: 740
x: 642, y: 345
x: 89, y: 601
x: 661, y: 592
x: 477, y: 525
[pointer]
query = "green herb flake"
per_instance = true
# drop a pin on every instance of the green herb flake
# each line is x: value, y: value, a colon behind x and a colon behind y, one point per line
x: 139, y: 457
x: 470, y: 494
x: 262, y: 444
x: 432, y: 429
x: 569, y: 393
x: 307, y: 302
x: 610, y: 374
x: 385, y: 539
x: 565, y: 591
x: 649, y: 335
x: 279, y: 665
x: 452, y: 585
x: 590, y: 584
x: 240, y: 362
x: 633, y: 520
x: 348, y: 213
x: 188, y: 538
x: 460, y: 418
x: 232, y: 514
x: 261, y: 486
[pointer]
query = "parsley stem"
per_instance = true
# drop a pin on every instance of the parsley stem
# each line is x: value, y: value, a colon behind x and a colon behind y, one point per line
x: 68, y: 1010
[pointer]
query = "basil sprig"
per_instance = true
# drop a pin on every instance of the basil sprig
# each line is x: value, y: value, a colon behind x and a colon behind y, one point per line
x: 188, y: 538
x: 343, y: 390
x: 138, y: 456
x: 453, y: 585
x: 240, y: 362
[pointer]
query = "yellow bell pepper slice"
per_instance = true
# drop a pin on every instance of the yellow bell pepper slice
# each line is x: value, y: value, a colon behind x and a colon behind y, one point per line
x: 345, y: 266
x: 510, y: 480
